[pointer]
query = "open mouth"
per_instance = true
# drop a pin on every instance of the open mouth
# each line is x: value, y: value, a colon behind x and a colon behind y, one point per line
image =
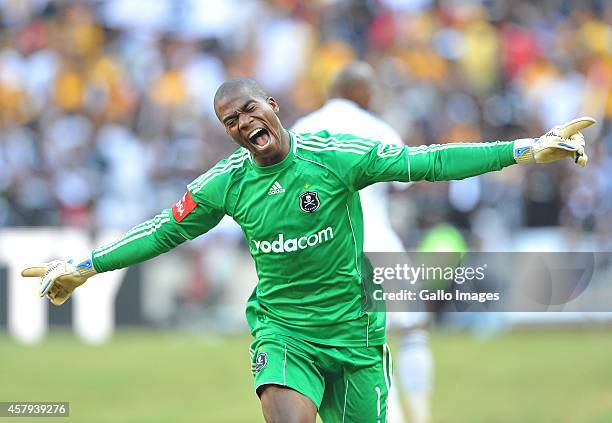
x: 260, y: 137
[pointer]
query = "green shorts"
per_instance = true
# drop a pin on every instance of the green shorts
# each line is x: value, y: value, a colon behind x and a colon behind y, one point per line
x: 347, y: 384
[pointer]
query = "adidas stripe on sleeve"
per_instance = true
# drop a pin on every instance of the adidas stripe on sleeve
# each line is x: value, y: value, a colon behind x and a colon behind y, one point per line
x: 361, y: 162
x: 444, y: 162
x: 199, y: 210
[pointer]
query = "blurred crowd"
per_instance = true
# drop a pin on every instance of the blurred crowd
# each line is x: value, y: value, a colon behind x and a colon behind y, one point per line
x: 106, y: 106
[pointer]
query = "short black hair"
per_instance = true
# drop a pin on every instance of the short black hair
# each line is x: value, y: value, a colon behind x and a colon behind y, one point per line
x: 237, y: 83
x: 355, y: 74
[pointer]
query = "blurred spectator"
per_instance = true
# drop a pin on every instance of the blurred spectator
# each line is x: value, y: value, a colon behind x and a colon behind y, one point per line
x: 104, y: 104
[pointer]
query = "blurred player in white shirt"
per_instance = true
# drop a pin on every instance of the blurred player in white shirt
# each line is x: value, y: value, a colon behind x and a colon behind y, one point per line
x: 346, y: 111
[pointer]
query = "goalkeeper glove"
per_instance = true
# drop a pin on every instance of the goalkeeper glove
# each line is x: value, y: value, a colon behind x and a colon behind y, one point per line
x: 562, y: 141
x: 59, y: 278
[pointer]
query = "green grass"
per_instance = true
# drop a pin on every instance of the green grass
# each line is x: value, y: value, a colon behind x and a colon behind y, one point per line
x: 522, y: 376
x: 527, y: 376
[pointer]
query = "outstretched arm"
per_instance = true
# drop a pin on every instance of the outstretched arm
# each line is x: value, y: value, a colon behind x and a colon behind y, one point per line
x: 184, y: 221
x: 443, y: 162
x: 150, y: 239
x: 461, y: 160
x: 458, y: 160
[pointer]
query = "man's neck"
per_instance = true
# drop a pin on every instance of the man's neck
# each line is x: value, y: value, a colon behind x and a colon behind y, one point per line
x: 280, y: 155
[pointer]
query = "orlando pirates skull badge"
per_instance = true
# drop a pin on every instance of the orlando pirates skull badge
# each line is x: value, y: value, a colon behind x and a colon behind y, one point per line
x: 309, y: 201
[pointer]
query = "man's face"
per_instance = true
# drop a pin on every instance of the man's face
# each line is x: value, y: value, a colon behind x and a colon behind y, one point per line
x: 252, y: 123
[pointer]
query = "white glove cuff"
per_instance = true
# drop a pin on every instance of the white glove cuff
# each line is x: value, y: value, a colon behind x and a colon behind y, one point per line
x: 85, y: 267
x: 523, y: 150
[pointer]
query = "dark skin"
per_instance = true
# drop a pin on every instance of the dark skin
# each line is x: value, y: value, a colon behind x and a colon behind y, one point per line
x: 284, y: 405
x: 251, y: 120
x: 242, y: 112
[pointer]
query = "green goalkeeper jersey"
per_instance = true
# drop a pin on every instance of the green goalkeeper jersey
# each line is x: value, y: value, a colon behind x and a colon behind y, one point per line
x: 303, y: 223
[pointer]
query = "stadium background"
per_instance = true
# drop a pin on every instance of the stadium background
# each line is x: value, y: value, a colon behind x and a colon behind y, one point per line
x: 106, y: 114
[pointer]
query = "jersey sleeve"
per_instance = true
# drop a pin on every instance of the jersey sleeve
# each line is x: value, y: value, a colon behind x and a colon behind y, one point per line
x: 191, y: 216
x: 382, y: 162
x: 199, y: 210
x: 444, y: 162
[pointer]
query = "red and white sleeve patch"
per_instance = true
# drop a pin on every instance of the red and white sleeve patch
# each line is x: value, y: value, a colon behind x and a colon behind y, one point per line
x: 183, y: 207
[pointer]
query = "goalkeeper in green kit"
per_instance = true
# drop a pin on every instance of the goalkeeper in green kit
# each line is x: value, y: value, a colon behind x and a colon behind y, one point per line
x: 296, y: 197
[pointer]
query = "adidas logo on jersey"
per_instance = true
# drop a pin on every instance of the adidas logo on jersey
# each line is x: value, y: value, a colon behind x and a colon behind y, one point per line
x: 276, y: 188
